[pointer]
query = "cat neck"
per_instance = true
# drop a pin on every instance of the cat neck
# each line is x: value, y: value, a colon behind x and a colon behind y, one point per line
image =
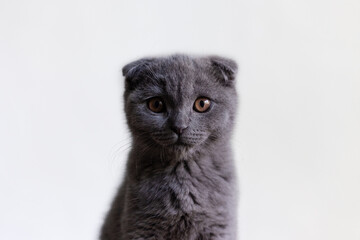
x: 160, y: 160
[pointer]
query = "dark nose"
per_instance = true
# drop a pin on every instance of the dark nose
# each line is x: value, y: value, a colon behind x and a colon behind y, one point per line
x: 178, y: 130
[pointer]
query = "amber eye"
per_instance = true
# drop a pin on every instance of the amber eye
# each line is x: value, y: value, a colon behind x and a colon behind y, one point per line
x: 156, y: 105
x: 202, y: 104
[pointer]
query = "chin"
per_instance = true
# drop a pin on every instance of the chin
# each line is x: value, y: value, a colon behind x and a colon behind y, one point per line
x: 181, y: 150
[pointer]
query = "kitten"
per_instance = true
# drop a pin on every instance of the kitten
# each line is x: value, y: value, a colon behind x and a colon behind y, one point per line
x: 180, y: 180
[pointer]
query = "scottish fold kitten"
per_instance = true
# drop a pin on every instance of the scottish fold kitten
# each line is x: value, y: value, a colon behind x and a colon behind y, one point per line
x: 180, y: 180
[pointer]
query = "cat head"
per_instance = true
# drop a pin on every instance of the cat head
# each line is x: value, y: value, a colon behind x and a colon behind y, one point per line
x: 180, y: 103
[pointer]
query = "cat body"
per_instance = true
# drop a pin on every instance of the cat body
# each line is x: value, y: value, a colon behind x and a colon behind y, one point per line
x: 180, y: 179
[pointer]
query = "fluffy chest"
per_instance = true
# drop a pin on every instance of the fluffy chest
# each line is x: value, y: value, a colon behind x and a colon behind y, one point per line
x: 185, y: 187
x: 185, y: 200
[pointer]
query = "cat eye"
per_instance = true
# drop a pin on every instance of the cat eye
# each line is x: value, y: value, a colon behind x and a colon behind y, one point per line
x: 202, y: 104
x: 156, y: 105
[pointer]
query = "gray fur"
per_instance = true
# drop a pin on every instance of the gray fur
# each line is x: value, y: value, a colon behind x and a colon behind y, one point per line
x: 177, y: 190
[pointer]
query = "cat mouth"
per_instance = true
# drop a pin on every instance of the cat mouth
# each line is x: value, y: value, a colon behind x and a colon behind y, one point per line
x: 187, y: 142
x: 176, y: 141
x: 181, y: 143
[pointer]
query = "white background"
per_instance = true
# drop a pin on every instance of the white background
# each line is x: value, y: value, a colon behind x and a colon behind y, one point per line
x: 63, y: 138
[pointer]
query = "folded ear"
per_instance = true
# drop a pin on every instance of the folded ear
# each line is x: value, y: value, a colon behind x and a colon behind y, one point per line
x: 224, y: 69
x: 133, y: 70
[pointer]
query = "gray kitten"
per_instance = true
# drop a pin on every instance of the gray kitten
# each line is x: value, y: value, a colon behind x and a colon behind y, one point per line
x: 180, y: 180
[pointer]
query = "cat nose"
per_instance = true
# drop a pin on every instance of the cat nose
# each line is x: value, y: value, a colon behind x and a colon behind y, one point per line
x: 178, y: 130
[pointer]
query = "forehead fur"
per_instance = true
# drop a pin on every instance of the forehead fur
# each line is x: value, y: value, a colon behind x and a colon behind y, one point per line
x: 179, y: 75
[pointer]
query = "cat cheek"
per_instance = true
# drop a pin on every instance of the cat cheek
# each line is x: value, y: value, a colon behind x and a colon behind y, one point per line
x: 226, y: 118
